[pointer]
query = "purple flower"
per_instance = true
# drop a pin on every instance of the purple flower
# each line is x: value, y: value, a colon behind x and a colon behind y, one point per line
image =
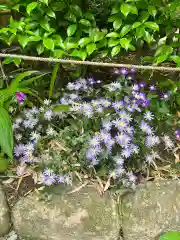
x: 124, y: 71
x: 129, y: 130
x: 133, y: 70
x: 145, y: 103
x: 107, y: 125
x: 92, y: 153
x: 125, y: 116
x: 105, y: 137
x: 119, y: 171
x: 152, y: 87
x: 106, y: 102
x: 49, y: 180
x: 135, y: 87
x: 126, y: 152
x: 142, y: 85
x: 123, y: 139
x: 20, y: 97
x: 110, y: 144
x: 149, y: 159
x: 19, y: 150
x: 146, y: 128
x: 132, y: 177
x: 177, y: 132
x: 120, y: 124
x: 165, y: 96
x: 94, y: 142
x: 135, y: 149
x: 119, y: 160
x: 118, y: 105
x: 60, y: 179
x: 116, y: 71
x: 99, y: 110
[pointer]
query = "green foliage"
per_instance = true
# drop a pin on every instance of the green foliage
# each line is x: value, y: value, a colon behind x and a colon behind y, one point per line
x: 171, y: 236
x: 63, y: 29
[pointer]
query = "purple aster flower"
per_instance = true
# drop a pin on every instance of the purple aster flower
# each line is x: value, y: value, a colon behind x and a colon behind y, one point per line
x: 129, y: 130
x: 118, y: 172
x: 110, y: 144
x: 105, y: 137
x: 133, y: 70
x: 94, y: 142
x: 126, y: 99
x: 48, y: 172
x: 146, y: 128
x: 135, y: 149
x: 122, y: 139
x: 19, y: 150
x: 145, y: 103
x: 64, y: 100
x: 94, y: 162
x: 142, y: 96
x: 49, y: 180
x: 149, y: 159
x: 152, y: 87
x: 21, y: 170
x: 125, y: 116
x: 165, y: 96
x: 70, y: 86
x: 106, y: 102
x: 20, y: 97
x: 120, y: 124
x: 135, y: 87
x: 99, y: 109
x: 107, y: 125
x: 148, y: 116
x: 118, y: 105
x: 124, y: 71
x: 142, y: 85
x: 177, y: 132
x: 60, y: 179
x: 127, y: 152
x: 92, y: 153
x: 91, y: 81
x: 119, y: 160
x: 74, y: 96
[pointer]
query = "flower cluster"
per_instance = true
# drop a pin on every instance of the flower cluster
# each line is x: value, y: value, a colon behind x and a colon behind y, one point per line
x: 50, y: 178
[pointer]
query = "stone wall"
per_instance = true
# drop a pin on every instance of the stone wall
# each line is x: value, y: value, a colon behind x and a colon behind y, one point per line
x: 153, y: 209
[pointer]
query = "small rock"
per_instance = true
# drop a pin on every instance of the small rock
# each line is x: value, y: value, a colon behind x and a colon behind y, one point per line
x: 4, y: 214
x: 76, y: 216
x: 152, y: 210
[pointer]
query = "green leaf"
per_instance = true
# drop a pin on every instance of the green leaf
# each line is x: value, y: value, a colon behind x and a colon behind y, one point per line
x: 44, y: 1
x: 147, y: 37
x: 89, y: 16
x: 23, y: 40
x: 84, y: 41
x: 70, y: 45
x: 125, y: 43
x: 58, y: 53
x: 76, y: 10
x: 40, y: 48
x: 164, y: 49
x: 25, y: 83
x: 175, y: 59
x: 90, y: 48
x: 79, y: 54
x: 152, y: 10
x: 48, y: 43
x: 31, y: 7
x: 113, y: 18
x: 115, y: 51
x: 125, y: 30
x: 3, y: 164
x: 113, y: 42
x: 127, y: 8
x: 171, y: 236
x: 152, y: 25
x: 45, y: 24
x: 71, y: 30
x: 117, y: 24
x: 59, y: 108
x: 53, y: 78
x: 97, y: 36
x: 16, y: 7
x: 112, y: 35
x: 71, y: 17
x: 8, y: 60
x: 85, y: 22
x: 6, y: 136
x: 115, y: 9
x: 34, y: 39
x: 143, y: 17
x: 4, y: 7
x: 136, y: 24
x: 51, y: 13
x: 161, y: 59
x: 140, y: 31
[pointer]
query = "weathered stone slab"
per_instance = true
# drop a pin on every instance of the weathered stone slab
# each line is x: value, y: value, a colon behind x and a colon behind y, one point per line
x: 76, y: 216
x: 4, y: 214
x: 152, y: 210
